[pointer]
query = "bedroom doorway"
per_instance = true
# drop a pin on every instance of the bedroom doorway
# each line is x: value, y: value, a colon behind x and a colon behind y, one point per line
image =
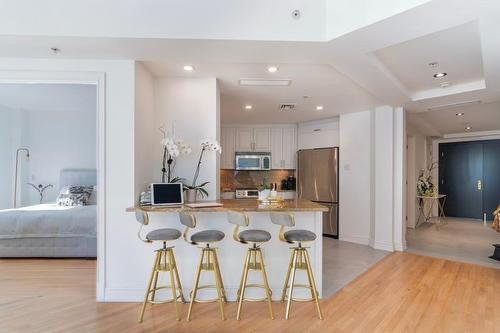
x: 80, y: 132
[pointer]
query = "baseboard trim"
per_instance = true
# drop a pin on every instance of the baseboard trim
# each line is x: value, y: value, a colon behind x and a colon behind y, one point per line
x: 354, y: 239
x: 386, y: 246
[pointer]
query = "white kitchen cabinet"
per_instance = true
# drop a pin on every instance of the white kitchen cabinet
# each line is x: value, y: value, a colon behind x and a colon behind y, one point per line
x: 289, y: 148
x: 261, y: 139
x: 228, y: 143
x: 244, y: 139
x: 253, y: 139
x: 283, y: 147
x: 277, y: 148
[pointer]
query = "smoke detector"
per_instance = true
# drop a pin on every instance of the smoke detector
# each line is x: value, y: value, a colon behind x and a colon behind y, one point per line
x: 287, y: 107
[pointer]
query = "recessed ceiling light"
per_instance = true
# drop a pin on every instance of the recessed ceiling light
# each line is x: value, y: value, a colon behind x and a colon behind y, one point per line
x: 468, y: 128
x: 459, y: 114
x: 248, y: 107
x: 188, y: 68
x: 438, y: 75
x: 319, y: 107
x: 272, y: 69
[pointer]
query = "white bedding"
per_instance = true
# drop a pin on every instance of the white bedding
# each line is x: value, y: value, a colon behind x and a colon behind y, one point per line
x: 48, y: 220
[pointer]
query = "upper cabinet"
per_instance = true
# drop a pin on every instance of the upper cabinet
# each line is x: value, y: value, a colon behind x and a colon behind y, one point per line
x: 289, y: 148
x: 280, y: 141
x: 228, y: 143
x: 253, y: 139
x: 283, y: 147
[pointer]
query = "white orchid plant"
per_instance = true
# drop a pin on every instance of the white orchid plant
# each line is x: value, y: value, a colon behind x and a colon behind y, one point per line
x: 172, y: 148
x: 206, y: 145
x: 425, y: 186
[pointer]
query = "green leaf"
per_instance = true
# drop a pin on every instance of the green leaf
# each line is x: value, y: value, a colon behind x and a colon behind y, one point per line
x: 203, y: 192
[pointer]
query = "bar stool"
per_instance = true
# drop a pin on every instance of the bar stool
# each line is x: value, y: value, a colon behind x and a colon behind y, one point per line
x: 256, y: 238
x: 208, y: 262
x: 164, y: 262
x: 299, y: 260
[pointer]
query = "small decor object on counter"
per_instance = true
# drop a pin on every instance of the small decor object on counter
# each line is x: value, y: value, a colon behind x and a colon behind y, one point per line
x: 195, y: 189
x: 172, y: 148
x: 496, y: 222
x: 40, y: 188
x: 264, y: 190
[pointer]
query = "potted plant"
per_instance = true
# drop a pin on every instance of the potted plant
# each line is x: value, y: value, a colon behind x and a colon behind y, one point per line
x: 264, y: 189
x: 172, y: 148
x: 196, y: 189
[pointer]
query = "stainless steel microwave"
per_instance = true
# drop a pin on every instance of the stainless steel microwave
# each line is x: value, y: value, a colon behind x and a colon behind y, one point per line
x: 253, y: 161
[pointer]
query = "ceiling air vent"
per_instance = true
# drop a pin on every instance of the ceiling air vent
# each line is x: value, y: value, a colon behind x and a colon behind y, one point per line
x: 265, y: 82
x: 287, y: 107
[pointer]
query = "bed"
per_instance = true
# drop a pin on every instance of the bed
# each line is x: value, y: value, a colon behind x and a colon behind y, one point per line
x: 49, y: 230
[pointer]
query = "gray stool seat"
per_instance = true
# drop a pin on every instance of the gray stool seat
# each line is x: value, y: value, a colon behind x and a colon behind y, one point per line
x: 207, y: 236
x: 165, y: 234
x: 254, y: 236
x: 298, y: 235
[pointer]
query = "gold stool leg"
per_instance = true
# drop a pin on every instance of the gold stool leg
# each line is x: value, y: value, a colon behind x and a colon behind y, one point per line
x: 243, y: 285
x: 266, y: 284
x: 292, y: 282
x: 148, y: 291
x: 172, y: 284
x: 218, y: 283
x: 155, y: 279
x: 312, y: 283
x: 178, y: 283
x: 216, y: 259
x: 285, y: 287
x: 196, y: 283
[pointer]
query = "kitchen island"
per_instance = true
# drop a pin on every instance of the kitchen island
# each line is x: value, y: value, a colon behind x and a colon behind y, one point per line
x: 308, y: 215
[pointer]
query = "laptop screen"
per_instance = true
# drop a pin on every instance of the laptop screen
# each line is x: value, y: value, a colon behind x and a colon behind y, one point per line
x: 166, y: 194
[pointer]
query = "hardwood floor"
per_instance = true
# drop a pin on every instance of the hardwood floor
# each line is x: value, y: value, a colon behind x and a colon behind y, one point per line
x: 402, y: 293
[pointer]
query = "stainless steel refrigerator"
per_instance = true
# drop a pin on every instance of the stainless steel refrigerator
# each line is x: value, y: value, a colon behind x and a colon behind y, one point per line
x: 318, y: 181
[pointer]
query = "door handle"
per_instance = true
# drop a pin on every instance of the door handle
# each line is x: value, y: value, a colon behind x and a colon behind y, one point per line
x: 479, y: 185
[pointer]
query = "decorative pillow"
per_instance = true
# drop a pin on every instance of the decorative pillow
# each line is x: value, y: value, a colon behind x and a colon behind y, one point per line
x: 93, y: 196
x: 74, y: 195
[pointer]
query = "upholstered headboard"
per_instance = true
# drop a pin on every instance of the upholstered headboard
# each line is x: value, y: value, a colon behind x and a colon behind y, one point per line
x: 77, y: 177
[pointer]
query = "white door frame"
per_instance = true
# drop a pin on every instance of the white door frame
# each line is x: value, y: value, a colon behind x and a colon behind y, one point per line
x: 98, y: 79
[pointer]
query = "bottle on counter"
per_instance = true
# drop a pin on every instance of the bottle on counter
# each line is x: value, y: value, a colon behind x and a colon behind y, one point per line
x: 274, y: 190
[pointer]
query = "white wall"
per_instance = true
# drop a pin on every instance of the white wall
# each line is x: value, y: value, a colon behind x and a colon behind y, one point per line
x: 318, y: 134
x: 57, y: 140
x: 191, y: 107
x: 146, y: 136
x: 7, y: 157
x: 371, y: 198
x: 355, y: 177
x: 116, y: 260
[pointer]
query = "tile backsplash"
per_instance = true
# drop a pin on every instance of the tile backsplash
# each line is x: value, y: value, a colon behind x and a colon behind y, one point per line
x: 233, y: 179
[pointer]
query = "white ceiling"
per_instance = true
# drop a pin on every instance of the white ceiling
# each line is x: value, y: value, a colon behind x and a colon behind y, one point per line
x: 457, y: 51
x: 321, y: 84
x: 383, y: 63
x: 48, y: 97
x: 480, y: 117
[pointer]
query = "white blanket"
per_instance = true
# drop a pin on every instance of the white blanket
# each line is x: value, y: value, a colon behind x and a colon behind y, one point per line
x: 48, y: 220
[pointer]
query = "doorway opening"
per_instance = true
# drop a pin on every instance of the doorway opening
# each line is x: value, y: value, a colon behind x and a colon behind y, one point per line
x: 453, y: 183
x: 56, y: 137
